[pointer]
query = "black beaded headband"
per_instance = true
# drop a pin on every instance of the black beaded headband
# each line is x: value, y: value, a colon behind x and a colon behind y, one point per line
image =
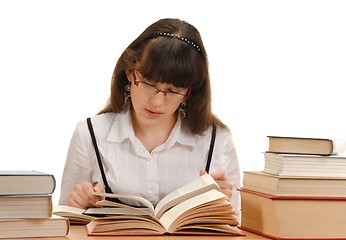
x: 164, y: 34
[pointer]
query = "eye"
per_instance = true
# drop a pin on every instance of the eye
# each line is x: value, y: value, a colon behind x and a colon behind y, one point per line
x: 150, y: 83
x: 171, y: 91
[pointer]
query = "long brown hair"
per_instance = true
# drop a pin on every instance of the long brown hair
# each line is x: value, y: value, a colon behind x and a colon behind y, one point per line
x: 168, y: 51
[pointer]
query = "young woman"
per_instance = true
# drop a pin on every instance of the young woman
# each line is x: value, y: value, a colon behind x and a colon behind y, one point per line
x: 155, y: 133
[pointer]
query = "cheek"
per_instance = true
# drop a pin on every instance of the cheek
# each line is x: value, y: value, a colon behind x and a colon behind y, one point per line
x: 136, y: 97
x: 173, y: 107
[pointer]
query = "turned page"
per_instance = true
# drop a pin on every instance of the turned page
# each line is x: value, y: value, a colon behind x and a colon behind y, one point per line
x: 146, y: 203
x: 174, y: 216
x: 194, y: 188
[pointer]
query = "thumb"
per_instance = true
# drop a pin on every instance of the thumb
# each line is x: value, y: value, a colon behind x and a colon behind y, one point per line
x: 99, y: 188
x: 202, y: 172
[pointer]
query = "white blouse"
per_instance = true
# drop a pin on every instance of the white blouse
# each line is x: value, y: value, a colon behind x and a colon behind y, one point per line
x: 131, y: 169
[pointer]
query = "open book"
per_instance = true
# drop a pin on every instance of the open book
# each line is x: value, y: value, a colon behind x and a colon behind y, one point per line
x: 197, y: 208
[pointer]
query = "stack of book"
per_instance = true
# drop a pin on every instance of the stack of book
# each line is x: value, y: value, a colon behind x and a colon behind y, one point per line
x: 26, y: 206
x: 300, y: 193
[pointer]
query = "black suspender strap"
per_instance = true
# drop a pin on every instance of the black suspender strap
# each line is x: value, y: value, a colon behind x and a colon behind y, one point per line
x: 91, y: 130
x: 104, y: 178
x: 211, y: 148
x: 107, y: 188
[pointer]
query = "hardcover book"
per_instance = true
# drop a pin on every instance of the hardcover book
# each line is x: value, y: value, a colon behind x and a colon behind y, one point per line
x: 260, y: 181
x: 305, y: 165
x: 300, y: 145
x: 54, y: 226
x: 293, y: 217
x: 26, y: 182
x: 26, y: 206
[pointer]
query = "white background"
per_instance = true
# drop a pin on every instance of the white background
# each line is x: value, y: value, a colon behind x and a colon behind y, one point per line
x: 277, y: 68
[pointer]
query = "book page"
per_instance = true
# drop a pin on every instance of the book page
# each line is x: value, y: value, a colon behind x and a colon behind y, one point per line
x: 170, y: 217
x: 125, y: 225
x: 338, y: 146
x: 109, y: 211
x: 112, y: 207
x: 142, y: 200
x: 75, y: 215
x: 196, y: 187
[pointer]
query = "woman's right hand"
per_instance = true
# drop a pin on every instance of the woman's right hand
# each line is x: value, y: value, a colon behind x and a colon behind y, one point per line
x: 82, y: 195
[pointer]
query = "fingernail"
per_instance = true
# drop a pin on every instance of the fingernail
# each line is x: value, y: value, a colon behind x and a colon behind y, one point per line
x: 95, y: 183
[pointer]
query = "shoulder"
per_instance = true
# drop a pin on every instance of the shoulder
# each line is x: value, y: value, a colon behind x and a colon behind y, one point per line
x: 223, y: 132
x: 223, y: 138
x: 220, y: 132
x: 103, y: 120
x: 100, y: 123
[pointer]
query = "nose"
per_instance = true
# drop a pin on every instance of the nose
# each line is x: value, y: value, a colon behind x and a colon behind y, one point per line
x: 159, y: 98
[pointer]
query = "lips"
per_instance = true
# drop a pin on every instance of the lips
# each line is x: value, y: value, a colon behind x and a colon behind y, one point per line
x: 153, y: 113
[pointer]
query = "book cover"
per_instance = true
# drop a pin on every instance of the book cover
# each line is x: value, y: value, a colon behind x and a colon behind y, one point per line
x: 54, y: 226
x: 293, y: 217
x: 26, y: 182
x: 301, y: 145
x: 294, y: 186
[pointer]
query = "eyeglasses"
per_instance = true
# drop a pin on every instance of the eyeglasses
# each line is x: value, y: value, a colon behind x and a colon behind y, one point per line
x: 169, y: 94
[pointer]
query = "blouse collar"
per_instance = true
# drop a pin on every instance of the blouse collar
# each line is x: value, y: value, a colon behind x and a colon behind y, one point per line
x: 122, y: 129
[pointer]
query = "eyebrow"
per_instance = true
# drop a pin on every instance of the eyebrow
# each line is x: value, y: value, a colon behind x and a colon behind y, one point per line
x: 155, y: 83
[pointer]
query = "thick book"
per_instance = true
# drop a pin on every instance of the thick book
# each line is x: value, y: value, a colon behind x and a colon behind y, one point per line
x: 25, y: 206
x: 293, y: 217
x: 198, y: 208
x: 54, y: 226
x: 26, y: 182
x: 305, y: 165
x: 301, y: 145
x: 294, y: 186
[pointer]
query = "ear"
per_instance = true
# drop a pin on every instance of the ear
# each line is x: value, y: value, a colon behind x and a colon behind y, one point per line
x: 129, y: 74
x: 186, y: 98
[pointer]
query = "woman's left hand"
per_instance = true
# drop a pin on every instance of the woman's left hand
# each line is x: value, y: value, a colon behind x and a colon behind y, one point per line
x: 221, y: 180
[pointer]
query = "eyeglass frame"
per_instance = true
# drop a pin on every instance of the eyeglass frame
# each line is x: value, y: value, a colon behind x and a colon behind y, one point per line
x: 186, y: 96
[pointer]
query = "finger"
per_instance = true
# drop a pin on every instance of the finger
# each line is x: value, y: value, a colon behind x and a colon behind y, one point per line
x: 87, y: 189
x: 225, y: 184
x: 81, y: 196
x: 202, y: 172
x: 227, y: 192
x: 77, y: 200
x: 219, y: 175
x: 98, y: 188
x: 73, y: 203
x: 87, y: 192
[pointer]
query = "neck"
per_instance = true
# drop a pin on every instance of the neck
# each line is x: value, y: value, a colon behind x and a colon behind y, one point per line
x: 153, y: 135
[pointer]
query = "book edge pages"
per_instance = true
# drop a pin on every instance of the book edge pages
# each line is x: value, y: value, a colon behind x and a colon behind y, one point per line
x: 198, y: 186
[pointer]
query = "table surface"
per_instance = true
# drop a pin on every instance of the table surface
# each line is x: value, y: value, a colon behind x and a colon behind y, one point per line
x: 78, y: 232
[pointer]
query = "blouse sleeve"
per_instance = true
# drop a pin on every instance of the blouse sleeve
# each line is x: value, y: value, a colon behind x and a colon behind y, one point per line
x: 78, y: 165
x: 225, y: 159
